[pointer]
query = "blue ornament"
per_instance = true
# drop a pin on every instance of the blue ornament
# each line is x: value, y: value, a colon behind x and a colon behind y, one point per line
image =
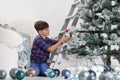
x: 50, y: 73
x: 107, y: 68
x: 57, y: 71
x: 117, y: 76
x: 20, y: 74
x: 3, y: 74
x: 65, y: 73
x: 92, y: 73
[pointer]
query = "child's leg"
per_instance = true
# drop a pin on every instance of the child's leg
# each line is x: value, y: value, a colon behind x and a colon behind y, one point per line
x: 36, y: 67
x: 43, y: 68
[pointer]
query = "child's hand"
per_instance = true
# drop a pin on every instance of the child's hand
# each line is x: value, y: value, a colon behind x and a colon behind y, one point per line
x: 64, y: 39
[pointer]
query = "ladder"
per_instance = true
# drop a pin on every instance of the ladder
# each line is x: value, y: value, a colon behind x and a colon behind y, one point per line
x: 73, y: 16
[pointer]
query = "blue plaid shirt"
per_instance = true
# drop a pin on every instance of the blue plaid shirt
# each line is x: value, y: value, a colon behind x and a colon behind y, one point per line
x: 39, y: 50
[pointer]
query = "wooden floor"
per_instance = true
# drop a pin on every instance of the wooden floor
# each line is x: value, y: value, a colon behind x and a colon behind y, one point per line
x: 39, y: 78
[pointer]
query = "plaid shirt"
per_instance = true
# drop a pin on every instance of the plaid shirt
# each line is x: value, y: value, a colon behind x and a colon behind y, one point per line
x: 39, y: 49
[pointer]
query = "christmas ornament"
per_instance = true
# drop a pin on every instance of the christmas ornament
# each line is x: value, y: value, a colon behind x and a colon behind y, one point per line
x: 3, y: 74
x: 57, y: 71
x: 65, y: 73
x: 83, y: 75
x: 106, y: 76
x: 50, y: 73
x: 13, y: 72
x: 107, y: 68
x: 31, y: 72
x: 20, y: 75
x: 92, y: 75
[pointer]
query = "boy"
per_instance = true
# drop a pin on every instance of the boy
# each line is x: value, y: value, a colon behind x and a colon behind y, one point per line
x: 42, y: 46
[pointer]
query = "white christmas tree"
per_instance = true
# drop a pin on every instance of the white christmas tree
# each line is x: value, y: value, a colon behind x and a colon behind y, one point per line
x: 100, y: 28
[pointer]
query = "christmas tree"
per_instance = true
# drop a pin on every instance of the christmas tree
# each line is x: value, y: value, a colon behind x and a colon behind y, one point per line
x: 99, y: 30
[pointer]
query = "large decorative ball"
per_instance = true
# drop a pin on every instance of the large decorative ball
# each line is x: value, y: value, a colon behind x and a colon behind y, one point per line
x: 13, y: 72
x: 57, y: 71
x: 51, y: 73
x: 65, y: 73
x: 106, y: 76
x: 20, y: 74
x: 31, y: 72
x: 3, y: 74
x: 83, y: 75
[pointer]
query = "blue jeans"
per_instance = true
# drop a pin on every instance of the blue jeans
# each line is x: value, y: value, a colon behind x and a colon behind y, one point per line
x: 40, y: 68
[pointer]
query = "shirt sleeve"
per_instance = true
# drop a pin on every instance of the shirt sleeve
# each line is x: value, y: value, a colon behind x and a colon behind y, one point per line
x: 42, y: 45
x: 52, y: 42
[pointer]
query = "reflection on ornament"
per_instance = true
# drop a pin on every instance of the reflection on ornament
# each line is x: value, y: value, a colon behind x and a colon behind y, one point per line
x: 31, y: 72
x: 3, y: 74
x: 20, y: 75
x: 83, y: 75
x: 13, y: 72
x: 65, y: 73
x: 57, y: 71
x: 50, y: 73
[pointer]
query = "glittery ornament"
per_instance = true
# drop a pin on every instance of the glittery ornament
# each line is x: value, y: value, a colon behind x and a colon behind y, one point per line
x: 31, y: 72
x: 3, y: 74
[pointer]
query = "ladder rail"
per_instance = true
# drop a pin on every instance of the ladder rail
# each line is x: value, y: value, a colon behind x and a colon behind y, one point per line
x: 70, y: 16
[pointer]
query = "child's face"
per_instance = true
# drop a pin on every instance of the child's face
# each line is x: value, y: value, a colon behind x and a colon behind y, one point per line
x: 45, y: 32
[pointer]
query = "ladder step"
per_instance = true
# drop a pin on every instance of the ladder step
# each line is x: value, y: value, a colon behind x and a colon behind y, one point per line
x: 70, y: 17
x: 76, y: 3
x: 49, y: 61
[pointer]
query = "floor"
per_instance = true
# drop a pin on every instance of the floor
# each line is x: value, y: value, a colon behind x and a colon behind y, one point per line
x: 39, y: 78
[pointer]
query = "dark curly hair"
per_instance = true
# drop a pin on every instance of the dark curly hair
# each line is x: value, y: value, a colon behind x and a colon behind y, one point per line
x: 40, y: 25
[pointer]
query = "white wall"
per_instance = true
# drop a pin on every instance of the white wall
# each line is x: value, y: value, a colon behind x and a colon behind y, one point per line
x: 22, y: 14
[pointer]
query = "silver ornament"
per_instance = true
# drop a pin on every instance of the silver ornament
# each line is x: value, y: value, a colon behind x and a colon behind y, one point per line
x: 91, y: 78
x: 3, y: 74
x: 83, y: 75
x: 106, y: 76
x: 13, y: 72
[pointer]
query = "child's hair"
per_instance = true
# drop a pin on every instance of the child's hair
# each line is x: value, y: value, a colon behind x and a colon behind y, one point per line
x: 40, y: 25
